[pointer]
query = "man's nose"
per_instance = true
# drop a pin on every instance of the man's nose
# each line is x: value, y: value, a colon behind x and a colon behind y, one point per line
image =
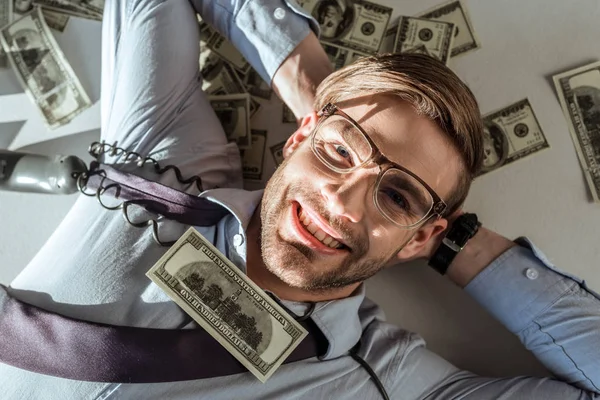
x: 348, y: 195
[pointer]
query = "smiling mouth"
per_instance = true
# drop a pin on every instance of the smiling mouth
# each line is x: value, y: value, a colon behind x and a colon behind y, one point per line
x: 316, y: 232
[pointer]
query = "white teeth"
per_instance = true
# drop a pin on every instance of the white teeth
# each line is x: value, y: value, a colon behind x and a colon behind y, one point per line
x: 318, y: 233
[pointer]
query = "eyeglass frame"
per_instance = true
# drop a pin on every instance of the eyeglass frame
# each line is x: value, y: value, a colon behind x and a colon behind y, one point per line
x: 378, y: 158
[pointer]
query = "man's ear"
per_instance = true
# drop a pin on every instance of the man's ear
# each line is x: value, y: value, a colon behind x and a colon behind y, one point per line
x: 425, y: 240
x: 304, y: 130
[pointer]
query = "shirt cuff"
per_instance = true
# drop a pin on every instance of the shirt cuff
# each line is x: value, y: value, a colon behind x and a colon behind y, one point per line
x: 520, y: 285
x: 267, y: 31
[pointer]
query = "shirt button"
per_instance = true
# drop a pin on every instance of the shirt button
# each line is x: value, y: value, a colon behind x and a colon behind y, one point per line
x: 238, y: 240
x: 531, y: 273
x: 279, y: 13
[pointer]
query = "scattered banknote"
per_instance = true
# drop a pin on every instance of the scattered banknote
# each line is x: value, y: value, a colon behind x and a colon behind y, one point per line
x: 222, y: 47
x: 233, y: 110
x: 6, y: 17
x: 253, y: 158
x: 287, y: 116
x: 579, y: 94
x: 357, y: 25
x: 510, y: 134
x: 454, y: 11
x: 277, y: 153
x: 340, y: 57
x: 91, y: 9
x: 435, y: 36
x: 219, y: 77
x: 389, y: 40
x: 43, y: 69
x: 54, y: 20
x: 418, y: 50
x: 256, y: 86
x: 227, y: 304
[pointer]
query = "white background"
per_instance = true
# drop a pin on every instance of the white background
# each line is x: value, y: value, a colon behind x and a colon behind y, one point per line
x: 543, y: 197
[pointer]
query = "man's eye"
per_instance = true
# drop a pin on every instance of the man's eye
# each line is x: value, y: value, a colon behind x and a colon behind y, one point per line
x: 397, y: 198
x: 341, y: 150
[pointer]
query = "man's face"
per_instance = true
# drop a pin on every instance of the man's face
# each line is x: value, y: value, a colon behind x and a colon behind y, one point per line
x: 489, y: 151
x: 331, y: 18
x: 342, y: 204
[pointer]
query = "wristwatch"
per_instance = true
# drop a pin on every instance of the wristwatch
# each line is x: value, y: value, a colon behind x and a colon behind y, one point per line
x: 463, y: 229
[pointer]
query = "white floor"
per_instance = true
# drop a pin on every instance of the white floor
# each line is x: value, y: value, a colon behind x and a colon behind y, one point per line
x: 544, y: 197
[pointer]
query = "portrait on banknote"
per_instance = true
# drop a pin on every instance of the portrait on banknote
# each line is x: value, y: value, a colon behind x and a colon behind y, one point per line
x: 495, y: 146
x: 335, y: 17
x: 23, y: 6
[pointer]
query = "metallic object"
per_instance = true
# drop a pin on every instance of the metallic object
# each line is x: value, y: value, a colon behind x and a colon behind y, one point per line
x: 36, y: 173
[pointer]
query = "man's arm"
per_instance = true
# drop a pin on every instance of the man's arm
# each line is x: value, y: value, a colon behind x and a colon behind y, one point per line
x: 554, y: 315
x: 279, y: 39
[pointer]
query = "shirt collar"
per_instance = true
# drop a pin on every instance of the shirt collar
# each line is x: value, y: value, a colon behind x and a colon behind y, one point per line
x: 338, y: 319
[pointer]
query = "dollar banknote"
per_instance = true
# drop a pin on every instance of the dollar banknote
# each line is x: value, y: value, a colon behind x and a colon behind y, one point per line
x: 253, y: 158
x: 227, y: 304
x: 220, y: 78
x: 579, y: 95
x: 222, y: 47
x: 256, y: 86
x: 233, y: 110
x: 353, y: 24
x: 340, y: 57
x: 43, y: 69
x: 79, y: 9
x: 6, y: 16
x: 435, y: 36
x: 287, y: 115
x: 54, y: 20
x: 277, y: 153
x: 465, y: 39
x: 389, y: 40
x: 418, y: 50
x: 511, y: 134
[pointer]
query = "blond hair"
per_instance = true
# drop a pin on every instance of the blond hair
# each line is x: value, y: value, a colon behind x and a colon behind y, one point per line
x: 433, y: 90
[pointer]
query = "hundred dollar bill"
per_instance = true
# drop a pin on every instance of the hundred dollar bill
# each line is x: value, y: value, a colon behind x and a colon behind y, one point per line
x: 222, y: 47
x: 54, y: 20
x: 256, y: 86
x: 579, y: 95
x: 389, y: 40
x: 233, y: 110
x: 511, y: 134
x: 43, y: 69
x: 340, y: 57
x: 75, y: 9
x: 277, y: 153
x: 6, y: 16
x: 418, y: 50
x: 354, y: 24
x: 436, y: 36
x: 252, y: 161
x: 454, y: 11
x: 287, y: 116
x: 227, y: 304
x: 219, y: 78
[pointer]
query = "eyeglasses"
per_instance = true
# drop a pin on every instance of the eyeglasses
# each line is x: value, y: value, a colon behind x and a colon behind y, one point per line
x: 343, y: 146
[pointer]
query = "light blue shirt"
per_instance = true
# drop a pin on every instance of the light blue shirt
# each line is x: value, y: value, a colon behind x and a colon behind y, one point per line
x: 93, y: 267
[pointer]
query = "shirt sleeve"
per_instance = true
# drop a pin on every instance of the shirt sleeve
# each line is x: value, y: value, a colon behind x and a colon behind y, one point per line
x: 264, y: 31
x: 554, y: 314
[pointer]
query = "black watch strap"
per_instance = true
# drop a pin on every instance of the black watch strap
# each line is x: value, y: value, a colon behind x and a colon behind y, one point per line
x: 463, y: 229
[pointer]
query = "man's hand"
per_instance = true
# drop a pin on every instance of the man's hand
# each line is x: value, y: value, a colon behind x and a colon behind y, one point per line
x: 296, y: 80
